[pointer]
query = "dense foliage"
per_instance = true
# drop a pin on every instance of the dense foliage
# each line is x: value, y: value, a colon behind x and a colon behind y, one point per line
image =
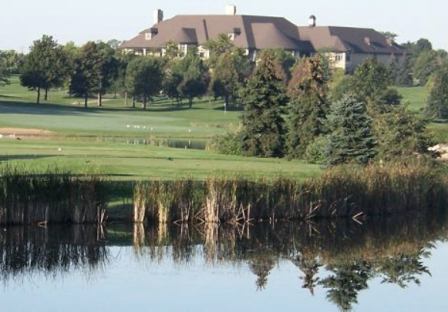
x: 264, y: 100
x: 351, y: 139
x: 44, y: 67
x: 144, y: 77
x: 438, y: 97
x: 307, y: 118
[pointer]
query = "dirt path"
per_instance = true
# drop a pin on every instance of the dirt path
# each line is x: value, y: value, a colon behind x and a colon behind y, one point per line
x: 20, y: 132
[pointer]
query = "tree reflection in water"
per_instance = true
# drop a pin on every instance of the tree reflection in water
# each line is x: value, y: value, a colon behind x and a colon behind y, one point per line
x: 340, y: 258
x: 52, y: 251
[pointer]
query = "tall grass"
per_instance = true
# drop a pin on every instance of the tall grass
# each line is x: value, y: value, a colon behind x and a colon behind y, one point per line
x: 50, y: 197
x: 346, y: 191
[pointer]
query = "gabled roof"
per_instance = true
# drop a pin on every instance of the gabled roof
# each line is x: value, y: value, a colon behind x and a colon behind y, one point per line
x: 256, y: 32
x: 348, y: 39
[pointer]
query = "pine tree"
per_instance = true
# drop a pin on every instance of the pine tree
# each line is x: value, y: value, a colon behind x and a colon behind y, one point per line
x: 264, y: 99
x: 308, y: 107
x: 401, y: 132
x: 352, y: 138
x: 438, y: 97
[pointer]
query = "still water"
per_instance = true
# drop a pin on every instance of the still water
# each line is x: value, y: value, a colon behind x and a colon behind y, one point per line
x: 380, y: 265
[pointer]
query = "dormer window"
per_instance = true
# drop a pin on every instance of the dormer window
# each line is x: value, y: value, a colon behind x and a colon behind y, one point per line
x: 236, y: 32
x: 152, y: 32
x: 367, y: 41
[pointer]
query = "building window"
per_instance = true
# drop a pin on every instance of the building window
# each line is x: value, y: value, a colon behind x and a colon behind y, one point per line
x: 148, y: 36
x: 338, y: 57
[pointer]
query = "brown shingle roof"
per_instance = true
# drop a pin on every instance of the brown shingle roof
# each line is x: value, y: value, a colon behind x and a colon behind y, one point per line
x: 257, y: 32
x: 348, y: 39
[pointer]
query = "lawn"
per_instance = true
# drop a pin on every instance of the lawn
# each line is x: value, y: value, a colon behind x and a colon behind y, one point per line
x: 94, y: 139
x: 135, y: 162
x: 160, y: 120
x: 101, y: 139
x: 415, y: 96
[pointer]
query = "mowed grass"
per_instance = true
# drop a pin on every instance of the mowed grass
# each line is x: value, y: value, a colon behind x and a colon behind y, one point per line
x: 416, y: 97
x: 131, y: 162
x: 81, y: 143
x: 161, y: 119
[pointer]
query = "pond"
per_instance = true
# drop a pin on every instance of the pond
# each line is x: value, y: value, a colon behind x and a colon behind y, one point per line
x: 381, y: 264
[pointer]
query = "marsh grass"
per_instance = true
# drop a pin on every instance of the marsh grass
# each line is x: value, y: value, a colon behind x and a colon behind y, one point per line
x: 341, y: 192
x: 50, y: 197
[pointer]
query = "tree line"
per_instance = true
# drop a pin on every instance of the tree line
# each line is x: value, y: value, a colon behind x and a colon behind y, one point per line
x: 358, y: 118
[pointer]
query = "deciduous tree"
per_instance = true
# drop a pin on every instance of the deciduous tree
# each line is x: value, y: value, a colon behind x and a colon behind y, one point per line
x: 45, y: 67
x: 4, y: 70
x: 193, y: 83
x: 144, y: 77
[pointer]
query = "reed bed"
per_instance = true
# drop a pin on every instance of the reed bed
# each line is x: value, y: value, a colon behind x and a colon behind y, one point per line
x: 50, y: 197
x: 341, y: 192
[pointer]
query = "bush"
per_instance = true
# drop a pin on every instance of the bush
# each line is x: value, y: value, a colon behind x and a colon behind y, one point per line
x: 315, y: 152
x: 229, y: 143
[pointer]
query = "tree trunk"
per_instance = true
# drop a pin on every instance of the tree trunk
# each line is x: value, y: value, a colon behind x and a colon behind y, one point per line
x: 190, y: 102
x: 38, y: 95
x: 100, y: 98
x: 46, y: 94
x: 133, y: 101
x: 144, y: 102
x: 125, y: 99
x: 86, y: 99
x: 226, y: 102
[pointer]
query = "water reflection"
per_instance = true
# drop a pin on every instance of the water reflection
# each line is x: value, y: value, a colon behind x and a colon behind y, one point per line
x: 338, y: 258
x: 52, y: 251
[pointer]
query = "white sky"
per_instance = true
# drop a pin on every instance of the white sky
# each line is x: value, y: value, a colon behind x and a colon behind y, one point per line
x: 23, y: 21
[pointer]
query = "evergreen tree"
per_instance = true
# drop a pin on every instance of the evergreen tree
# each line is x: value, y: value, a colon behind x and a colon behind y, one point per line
x: 438, y: 98
x: 264, y: 100
x: 400, y: 132
x: 308, y: 107
x: 351, y: 139
x: 348, y: 279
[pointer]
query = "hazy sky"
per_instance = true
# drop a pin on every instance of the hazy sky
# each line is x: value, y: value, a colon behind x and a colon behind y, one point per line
x: 23, y: 21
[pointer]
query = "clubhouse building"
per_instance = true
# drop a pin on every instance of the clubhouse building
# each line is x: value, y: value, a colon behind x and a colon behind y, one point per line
x: 346, y: 46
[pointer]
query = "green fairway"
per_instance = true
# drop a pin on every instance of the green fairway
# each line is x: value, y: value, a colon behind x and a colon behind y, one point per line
x: 415, y: 96
x: 161, y: 119
x: 134, y: 162
x: 94, y: 139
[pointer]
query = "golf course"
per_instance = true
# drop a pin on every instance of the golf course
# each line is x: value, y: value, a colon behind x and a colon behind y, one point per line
x: 122, y: 142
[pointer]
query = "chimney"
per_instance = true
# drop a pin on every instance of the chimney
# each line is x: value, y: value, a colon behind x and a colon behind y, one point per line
x: 231, y: 9
x: 158, y: 16
x: 312, y: 21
